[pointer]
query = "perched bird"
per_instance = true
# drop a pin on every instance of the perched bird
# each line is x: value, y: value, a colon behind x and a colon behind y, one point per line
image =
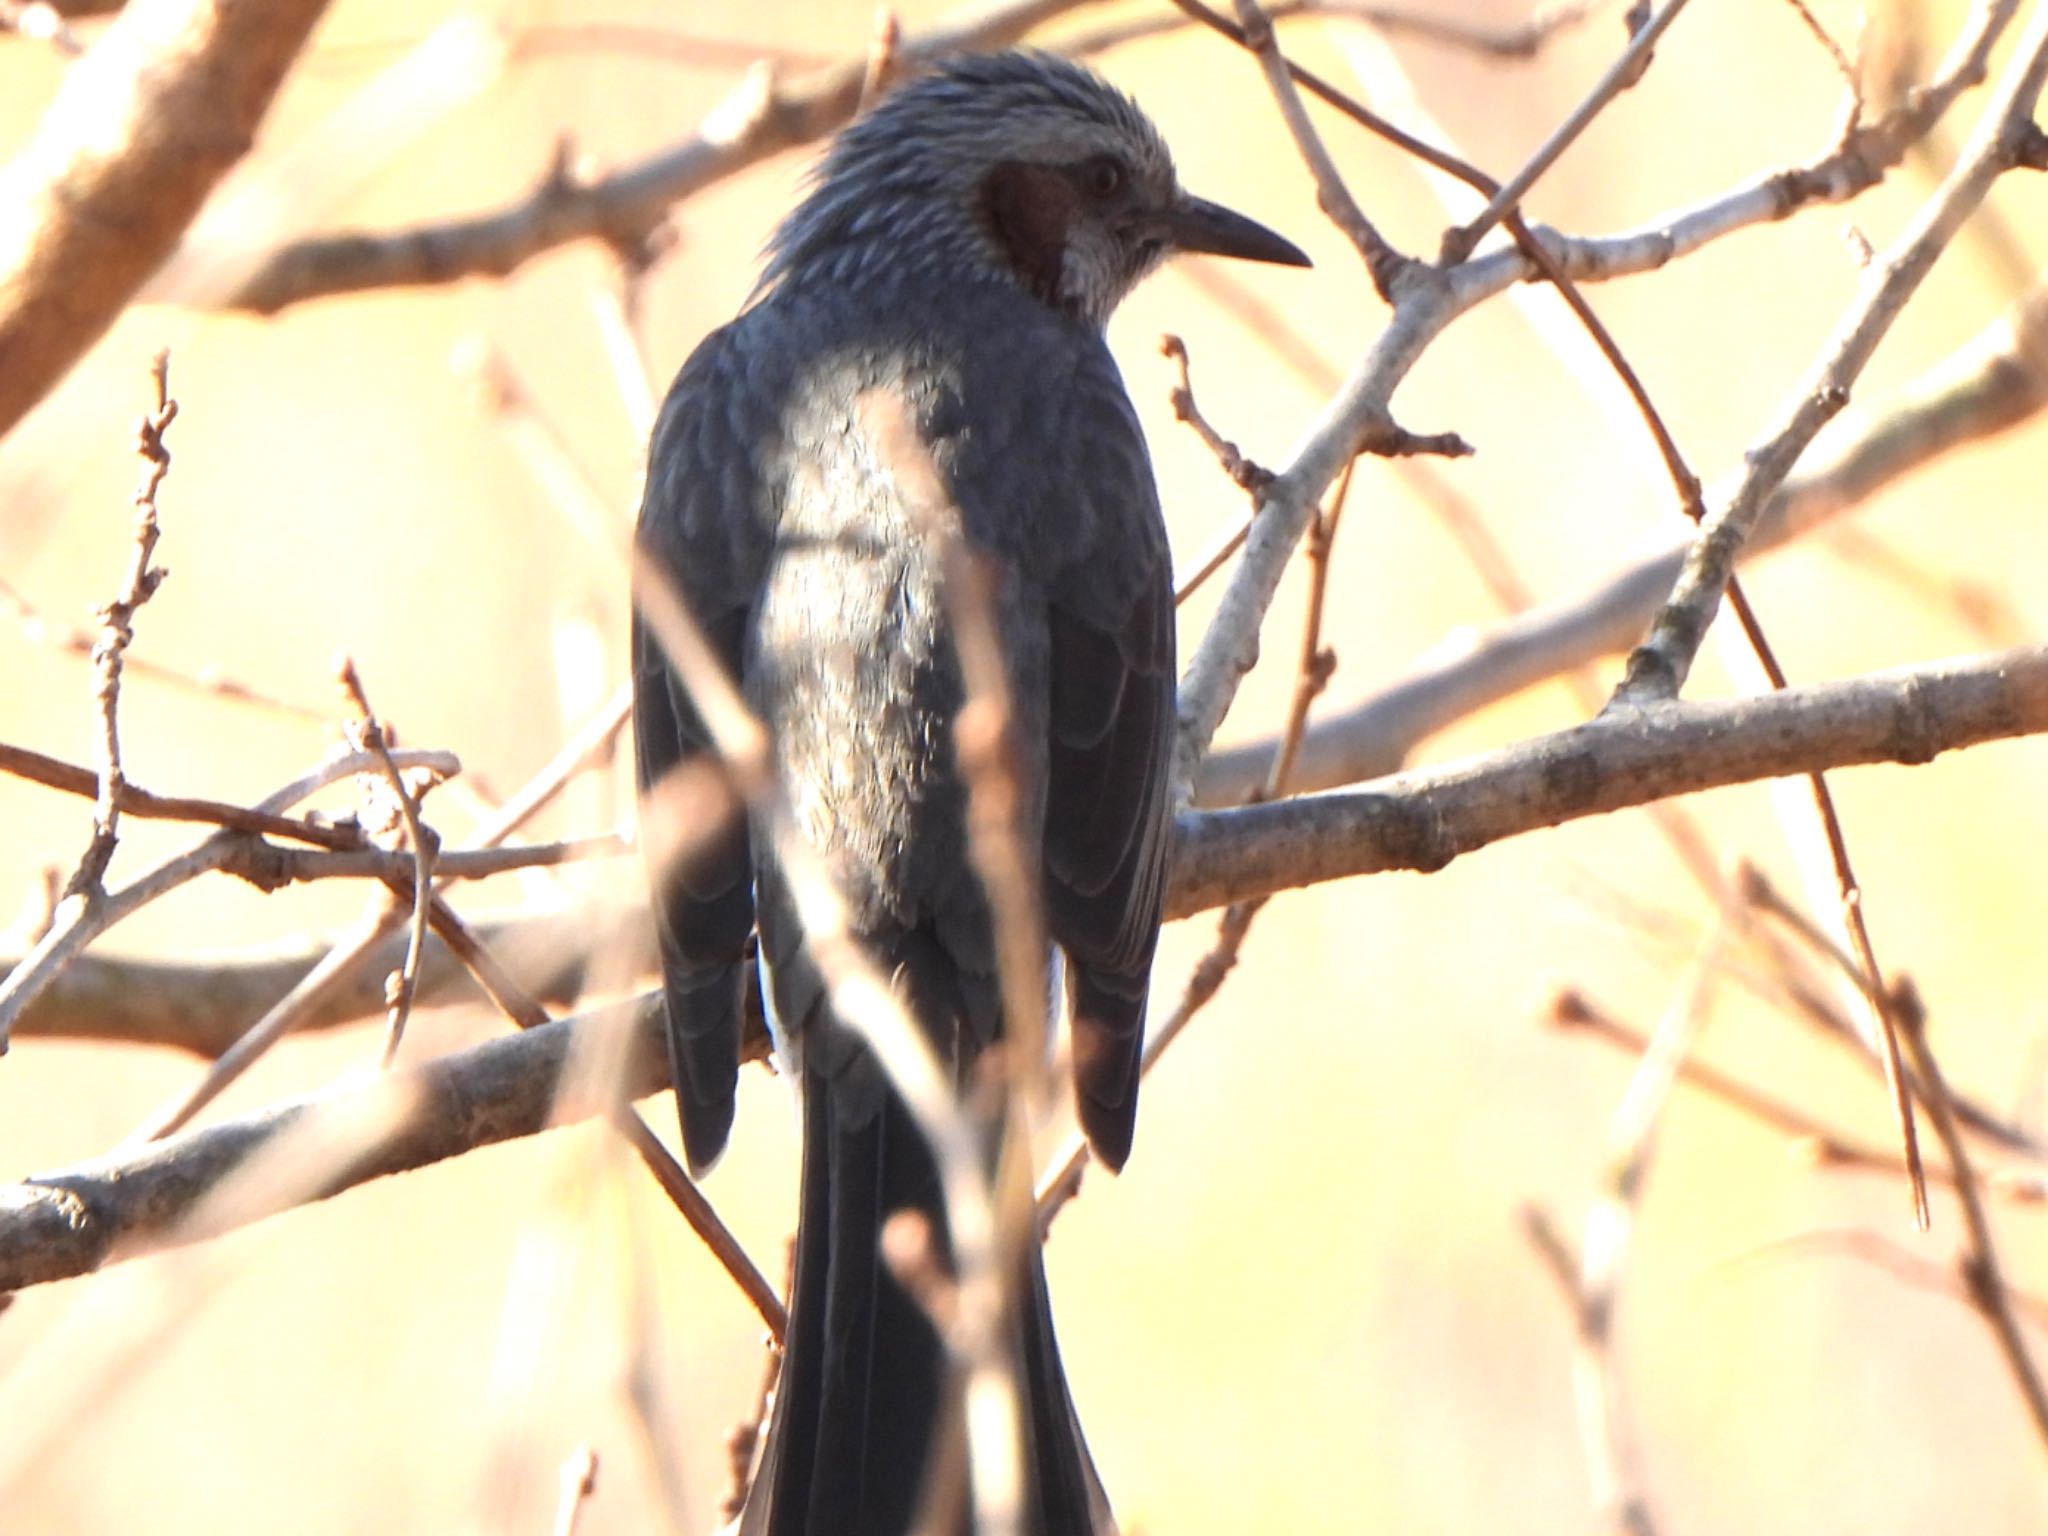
x: 958, y: 254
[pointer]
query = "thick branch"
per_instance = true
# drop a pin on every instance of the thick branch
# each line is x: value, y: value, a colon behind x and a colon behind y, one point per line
x: 146, y: 123
x: 70, y: 1223
x: 1423, y: 820
x: 1414, y: 821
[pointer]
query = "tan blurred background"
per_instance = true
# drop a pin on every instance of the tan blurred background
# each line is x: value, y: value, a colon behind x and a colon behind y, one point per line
x: 1308, y: 1305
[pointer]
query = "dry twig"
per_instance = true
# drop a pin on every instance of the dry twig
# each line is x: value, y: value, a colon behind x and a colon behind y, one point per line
x: 1982, y: 1277
x: 426, y: 846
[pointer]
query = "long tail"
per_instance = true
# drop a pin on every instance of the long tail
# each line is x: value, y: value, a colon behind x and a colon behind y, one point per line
x: 866, y: 1409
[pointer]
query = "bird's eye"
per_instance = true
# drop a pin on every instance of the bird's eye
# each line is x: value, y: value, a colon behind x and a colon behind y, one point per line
x: 1103, y: 177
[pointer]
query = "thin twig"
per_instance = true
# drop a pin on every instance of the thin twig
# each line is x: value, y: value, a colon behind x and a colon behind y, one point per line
x: 1896, y: 1260
x: 745, y: 1439
x: 1623, y: 73
x: 37, y: 969
x: 1833, y: 50
x: 1243, y: 473
x: 1332, y: 195
x: 342, y: 848
x: 426, y: 844
x: 1814, y: 1141
x: 1618, y: 1495
x: 1518, y: 41
x: 1981, y: 1274
x: 117, y: 632
x: 72, y: 779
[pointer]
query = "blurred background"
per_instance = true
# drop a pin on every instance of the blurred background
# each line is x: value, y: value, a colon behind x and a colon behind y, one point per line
x: 1310, y: 1303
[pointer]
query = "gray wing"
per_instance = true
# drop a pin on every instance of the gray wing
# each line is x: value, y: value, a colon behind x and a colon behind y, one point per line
x: 1083, y: 516
x: 701, y: 525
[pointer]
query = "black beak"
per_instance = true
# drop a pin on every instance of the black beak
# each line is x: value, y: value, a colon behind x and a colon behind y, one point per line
x: 1193, y: 224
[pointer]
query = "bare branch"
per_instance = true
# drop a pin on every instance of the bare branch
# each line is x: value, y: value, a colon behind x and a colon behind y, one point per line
x: 1424, y: 819
x: 61, y: 1224
x: 1623, y: 73
x: 1332, y: 196
x: 759, y: 119
x: 146, y: 124
x: 203, y: 1003
x: 1415, y: 820
x: 1982, y: 1277
x: 426, y: 846
x: 1994, y: 382
x: 39, y: 629
x: 1427, y: 298
x: 61, y: 944
x: 1657, y: 668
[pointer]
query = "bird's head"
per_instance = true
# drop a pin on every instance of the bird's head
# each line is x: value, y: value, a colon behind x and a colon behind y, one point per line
x: 1022, y: 164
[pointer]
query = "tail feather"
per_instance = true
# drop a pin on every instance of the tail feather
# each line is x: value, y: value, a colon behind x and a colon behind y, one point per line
x: 866, y: 1402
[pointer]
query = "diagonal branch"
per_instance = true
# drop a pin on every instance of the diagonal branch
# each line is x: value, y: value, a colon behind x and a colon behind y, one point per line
x: 759, y: 119
x: 1658, y: 667
x: 1992, y: 383
x: 145, y: 126
x: 57, y: 1225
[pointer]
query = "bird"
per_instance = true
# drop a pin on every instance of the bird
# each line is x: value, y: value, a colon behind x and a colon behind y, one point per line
x: 957, y: 255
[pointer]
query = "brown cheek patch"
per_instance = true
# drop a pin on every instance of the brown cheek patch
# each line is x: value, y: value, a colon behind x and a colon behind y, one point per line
x: 1030, y: 208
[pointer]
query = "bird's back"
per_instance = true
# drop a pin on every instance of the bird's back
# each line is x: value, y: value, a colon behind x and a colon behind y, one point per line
x: 866, y: 420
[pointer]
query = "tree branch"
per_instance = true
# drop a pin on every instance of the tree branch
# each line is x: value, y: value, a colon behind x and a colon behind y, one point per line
x: 145, y: 125
x: 68, y: 1223
x: 757, y: 120
x: 1424, y: 819
x: 1657, y: 668
x: 1991, y: 384
x: 1427, y: 298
